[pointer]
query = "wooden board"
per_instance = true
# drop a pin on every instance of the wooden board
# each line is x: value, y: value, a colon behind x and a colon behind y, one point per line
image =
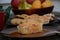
x: 18, y: 35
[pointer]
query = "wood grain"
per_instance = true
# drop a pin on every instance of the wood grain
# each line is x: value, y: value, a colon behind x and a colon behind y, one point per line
x: 18, y: 35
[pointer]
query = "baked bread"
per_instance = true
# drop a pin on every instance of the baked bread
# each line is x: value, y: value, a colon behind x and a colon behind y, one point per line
x: 30, y: 27
x: 22, y: 16
x: 17, y: 21
x: 32, y: 23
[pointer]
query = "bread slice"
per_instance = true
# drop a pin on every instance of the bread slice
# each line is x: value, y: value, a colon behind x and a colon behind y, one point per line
x: 30, y: 27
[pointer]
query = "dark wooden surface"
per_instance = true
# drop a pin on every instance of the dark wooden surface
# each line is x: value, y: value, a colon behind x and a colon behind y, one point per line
x: 53, y: 37
x: 18, y: 35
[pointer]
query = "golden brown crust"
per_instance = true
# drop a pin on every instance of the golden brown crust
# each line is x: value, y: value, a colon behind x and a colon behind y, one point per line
x: 32, y: 23
x: 30, y: 27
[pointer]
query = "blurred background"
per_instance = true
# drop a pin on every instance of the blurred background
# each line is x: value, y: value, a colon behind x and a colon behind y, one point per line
x: 56, y: 3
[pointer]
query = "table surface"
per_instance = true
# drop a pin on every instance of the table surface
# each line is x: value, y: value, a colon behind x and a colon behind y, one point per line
x: 53, y: 37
